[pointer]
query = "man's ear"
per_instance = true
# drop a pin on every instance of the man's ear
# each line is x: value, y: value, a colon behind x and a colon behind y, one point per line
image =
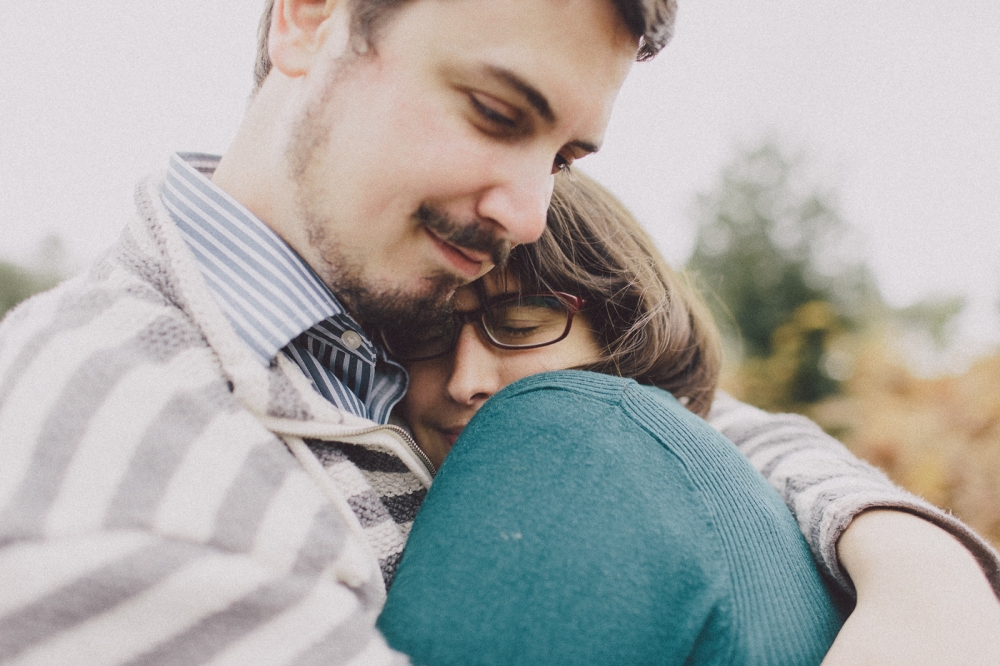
x: 300, y: 29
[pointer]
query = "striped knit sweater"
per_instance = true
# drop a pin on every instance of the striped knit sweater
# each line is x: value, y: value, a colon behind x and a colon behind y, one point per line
x: 165, y: 498
x: 160, y: 498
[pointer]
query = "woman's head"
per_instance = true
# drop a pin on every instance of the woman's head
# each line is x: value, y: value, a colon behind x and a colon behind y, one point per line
x: 638, y: 319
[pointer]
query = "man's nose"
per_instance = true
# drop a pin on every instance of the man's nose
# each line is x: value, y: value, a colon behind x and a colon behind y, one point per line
x: 519, y: 200
x: 474, y: 375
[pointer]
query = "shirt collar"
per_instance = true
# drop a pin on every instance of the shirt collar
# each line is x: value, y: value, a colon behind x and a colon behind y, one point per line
x: 267, y: 291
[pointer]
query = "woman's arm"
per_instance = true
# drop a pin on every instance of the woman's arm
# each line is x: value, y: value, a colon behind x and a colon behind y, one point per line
x: 922, y: 597
x: 825, y: 486
x: 918, y: 572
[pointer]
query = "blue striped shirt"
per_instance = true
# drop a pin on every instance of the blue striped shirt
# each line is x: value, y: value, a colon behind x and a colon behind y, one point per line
x: 274, y: 301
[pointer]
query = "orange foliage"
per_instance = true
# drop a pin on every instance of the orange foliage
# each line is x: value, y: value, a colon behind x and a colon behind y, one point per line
x: 940, y: 437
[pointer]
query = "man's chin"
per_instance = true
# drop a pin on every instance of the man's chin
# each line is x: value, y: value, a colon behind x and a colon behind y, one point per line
x: 401, y: 308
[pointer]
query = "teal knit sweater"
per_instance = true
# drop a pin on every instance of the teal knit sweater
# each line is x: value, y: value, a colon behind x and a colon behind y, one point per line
x: 585, y: 519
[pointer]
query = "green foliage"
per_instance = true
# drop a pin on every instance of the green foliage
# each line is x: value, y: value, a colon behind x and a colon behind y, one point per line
x: 784, y: 275
x: 934, y: 315
x: 776, y: 257
x: 18, y: 282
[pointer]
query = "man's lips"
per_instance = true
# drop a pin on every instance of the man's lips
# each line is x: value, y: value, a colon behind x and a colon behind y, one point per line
x: 468, y: 262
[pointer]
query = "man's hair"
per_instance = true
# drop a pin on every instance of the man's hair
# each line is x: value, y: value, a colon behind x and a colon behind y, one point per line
x: 652, y: 21
x: 649, y: 320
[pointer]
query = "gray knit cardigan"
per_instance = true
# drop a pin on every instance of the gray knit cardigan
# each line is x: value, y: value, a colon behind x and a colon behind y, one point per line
x: 159, y: 502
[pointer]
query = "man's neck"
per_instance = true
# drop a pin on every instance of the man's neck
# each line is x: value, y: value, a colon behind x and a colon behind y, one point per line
x: 253, y: 170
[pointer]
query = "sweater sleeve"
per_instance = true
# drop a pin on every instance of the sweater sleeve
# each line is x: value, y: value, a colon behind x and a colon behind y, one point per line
x: 825, y: 486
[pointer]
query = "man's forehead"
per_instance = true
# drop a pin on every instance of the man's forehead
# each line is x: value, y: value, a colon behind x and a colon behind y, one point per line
x: 565, y: 59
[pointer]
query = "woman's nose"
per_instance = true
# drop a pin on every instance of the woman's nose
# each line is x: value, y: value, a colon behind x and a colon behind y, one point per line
x: 474, y: 375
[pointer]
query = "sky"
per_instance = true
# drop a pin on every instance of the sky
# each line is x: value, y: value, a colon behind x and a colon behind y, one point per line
x: 895, y: 105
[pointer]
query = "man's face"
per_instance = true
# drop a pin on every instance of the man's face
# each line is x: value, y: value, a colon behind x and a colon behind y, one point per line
x: 417, y: 165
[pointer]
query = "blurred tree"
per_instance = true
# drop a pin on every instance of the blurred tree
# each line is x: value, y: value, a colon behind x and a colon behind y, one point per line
x: 780, y: 268
x: 16, y: 284
x: 19, y: 282
x: 781, y: 271
x: 934, y: 316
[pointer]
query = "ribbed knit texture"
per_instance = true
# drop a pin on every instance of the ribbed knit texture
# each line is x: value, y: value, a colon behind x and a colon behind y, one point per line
x: 382, y: 492
x: 584, y: 519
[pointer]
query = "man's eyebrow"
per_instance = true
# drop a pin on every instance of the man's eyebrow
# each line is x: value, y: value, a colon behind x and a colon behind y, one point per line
x: 536, y: 99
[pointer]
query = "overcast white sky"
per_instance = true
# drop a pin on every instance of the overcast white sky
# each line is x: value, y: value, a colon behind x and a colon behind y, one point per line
x: 897, y: 103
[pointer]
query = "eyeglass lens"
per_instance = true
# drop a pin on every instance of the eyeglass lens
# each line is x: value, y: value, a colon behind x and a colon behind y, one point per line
x: 515, y: 322
x: 527, y: 321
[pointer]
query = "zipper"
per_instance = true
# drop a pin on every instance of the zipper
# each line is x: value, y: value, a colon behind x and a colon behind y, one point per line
x: 405, y: 436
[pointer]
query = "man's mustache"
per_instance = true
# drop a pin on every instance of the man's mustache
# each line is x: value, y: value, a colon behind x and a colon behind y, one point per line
x: 474, y: 235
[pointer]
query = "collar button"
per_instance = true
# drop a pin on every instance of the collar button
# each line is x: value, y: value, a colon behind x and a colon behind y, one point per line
x: 351, y: 339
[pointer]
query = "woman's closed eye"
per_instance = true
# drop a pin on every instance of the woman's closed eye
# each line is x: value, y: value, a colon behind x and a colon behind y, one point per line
x: 527, y: 325
x: 513, y: 329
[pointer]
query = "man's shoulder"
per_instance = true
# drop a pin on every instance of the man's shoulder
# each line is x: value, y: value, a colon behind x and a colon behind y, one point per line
x: 95, y: 347
x: 115, y: 388
x: 106, y: 310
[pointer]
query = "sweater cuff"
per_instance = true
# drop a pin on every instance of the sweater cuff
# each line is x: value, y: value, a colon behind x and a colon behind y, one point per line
x: 837, y: 516
x: 826, y: 487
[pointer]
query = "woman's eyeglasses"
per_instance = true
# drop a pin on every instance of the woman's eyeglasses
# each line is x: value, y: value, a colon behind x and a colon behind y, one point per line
x: 518, y: 321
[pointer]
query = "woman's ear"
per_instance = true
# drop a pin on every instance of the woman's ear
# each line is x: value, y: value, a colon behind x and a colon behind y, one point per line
x: 301, y: 29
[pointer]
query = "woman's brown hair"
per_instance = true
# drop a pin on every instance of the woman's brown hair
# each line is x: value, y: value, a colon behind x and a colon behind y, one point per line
x: 648, y: 318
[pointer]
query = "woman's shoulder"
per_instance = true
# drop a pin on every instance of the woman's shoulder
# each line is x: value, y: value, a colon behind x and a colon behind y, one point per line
x: 585, y: 382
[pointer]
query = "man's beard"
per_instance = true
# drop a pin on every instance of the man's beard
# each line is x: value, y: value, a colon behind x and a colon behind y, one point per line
x: 383, y: 307
x: 371, y: 304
